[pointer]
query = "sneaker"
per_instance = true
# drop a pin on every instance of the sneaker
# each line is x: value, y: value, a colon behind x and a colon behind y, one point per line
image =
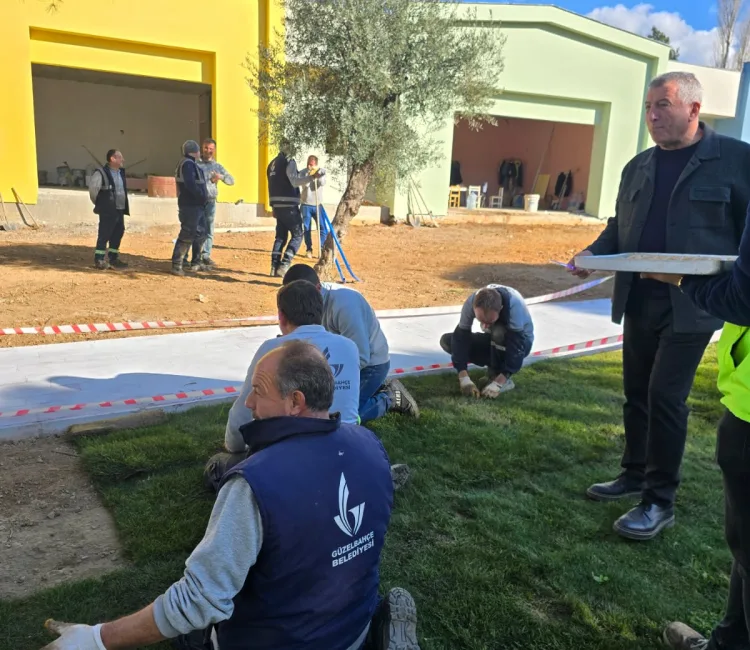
x: 400, y: 474
x: 102, y: 265
x: 208, y: 263
x: 281, y: 271
x: 117, y: 263
x: 397, y: 622
x: 679, y: 636
x: 309, y: 255
x: 274, y: 269
x: 197, y: 267
x: 401, y: 399
x: 178, y: 271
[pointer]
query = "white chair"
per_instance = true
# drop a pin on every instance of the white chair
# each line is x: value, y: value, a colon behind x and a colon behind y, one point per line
x: 476, y: 191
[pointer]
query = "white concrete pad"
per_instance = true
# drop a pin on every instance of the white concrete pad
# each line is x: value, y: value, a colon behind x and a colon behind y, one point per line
x: 121, y: 369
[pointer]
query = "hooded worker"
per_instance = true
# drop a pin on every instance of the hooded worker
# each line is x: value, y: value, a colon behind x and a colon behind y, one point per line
x: 192, y: 196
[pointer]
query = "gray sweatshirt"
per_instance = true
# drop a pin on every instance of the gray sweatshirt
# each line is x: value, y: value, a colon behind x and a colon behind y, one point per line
x: 217, y: 569
x: 341, y: 354
x: 209, y: 168
x: 307, y: 191
x: 346, y: 312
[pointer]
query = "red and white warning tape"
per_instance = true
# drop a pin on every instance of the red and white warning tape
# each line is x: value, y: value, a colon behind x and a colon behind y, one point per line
x: 198, y: 395
x: 94, y: 328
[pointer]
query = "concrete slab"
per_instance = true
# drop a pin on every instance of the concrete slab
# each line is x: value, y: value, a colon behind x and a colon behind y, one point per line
x: 109, y: 371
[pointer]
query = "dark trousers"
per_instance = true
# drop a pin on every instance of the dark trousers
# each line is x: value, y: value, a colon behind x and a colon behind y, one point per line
x: 733, y: 456
x: 486, y: 349
x: 220, y: 464
x: 192, y: 233
x: 658, y: 369
x: 111, y: 231
x: 288, y: 226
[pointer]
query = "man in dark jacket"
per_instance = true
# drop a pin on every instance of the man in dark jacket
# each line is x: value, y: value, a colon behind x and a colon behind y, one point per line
x: 291, y: 555
x: 192, y: 196
x: 505, y: 341
x: 688, y: 194
x: 284, y: 182
x: 108, y: 190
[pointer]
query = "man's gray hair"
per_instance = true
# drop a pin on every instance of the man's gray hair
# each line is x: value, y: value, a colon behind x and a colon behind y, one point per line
x: 303, y: 367
x: 689, y: 89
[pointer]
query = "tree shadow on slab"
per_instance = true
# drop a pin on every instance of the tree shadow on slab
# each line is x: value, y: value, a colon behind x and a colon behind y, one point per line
x: 80, y: 259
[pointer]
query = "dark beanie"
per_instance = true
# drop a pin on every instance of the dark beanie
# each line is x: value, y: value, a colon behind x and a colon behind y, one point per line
x: 191, y: 146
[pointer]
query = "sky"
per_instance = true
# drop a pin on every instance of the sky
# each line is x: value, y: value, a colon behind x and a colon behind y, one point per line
x: 688, y: 23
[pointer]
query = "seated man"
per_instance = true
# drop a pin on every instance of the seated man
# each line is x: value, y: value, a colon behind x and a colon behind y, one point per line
x: 300, y: 309
x: 505, y: 341
x: 291, y: 555
x: 346, y: 312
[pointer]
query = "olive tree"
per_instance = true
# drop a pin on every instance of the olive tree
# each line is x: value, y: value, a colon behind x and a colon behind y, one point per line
x: 372, y: 80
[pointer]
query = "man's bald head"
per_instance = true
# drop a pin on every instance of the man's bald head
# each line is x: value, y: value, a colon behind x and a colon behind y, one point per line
x: 294, y: 380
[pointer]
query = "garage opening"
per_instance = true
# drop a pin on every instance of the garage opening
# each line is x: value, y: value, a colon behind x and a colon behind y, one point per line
x: 146, y: 118
x: 517, y: 157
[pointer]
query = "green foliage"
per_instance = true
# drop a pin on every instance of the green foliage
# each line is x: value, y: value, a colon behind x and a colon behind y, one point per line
x: 492, y: 536
x: 372, y: 80
x: 658, y: 35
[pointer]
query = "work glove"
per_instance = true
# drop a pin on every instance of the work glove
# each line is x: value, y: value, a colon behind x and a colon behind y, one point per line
x: 75, y: 637
x: 493, y: 389
x: 468, y: 387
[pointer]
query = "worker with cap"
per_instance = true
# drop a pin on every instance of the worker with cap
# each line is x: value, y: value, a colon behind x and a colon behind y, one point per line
x: 192, y: 197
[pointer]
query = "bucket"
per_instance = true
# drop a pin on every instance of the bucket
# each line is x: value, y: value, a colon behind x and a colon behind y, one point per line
x: 162, y: 187
x: 531, y: 202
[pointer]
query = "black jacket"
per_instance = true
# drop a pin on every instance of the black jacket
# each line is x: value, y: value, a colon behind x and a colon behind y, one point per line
x: 191, y: 184
x: 706, y: 215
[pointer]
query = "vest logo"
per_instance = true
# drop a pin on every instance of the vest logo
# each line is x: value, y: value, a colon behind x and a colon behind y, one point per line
x: 342, y: 519
x: 336, y: 368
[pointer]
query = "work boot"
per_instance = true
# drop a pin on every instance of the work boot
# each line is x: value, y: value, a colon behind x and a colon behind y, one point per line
x: 679, y: 636
x: 396, y: 622
x: 401, y: 399
x: 177, y: 270
x: 400, y: 475
x: 101, y: 265
x: 117, y: 263
x: 197, y: 267
x: 208, y: 263
x: 621, y: 488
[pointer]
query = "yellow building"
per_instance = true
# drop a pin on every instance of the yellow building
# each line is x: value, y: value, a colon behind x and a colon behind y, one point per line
x: 141, y: 76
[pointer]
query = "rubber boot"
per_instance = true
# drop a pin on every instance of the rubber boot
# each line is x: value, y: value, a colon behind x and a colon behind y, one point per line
x: 181, y: 249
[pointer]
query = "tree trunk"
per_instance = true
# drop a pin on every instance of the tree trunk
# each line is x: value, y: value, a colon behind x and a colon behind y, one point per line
x: 348, y: 207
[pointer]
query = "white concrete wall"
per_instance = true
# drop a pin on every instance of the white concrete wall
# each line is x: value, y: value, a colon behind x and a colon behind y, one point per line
x: 720, y: 88
x: 141, y: 123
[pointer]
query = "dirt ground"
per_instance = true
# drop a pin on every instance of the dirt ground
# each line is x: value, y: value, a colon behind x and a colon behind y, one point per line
x: 52, y: 526
x: 48, y: 277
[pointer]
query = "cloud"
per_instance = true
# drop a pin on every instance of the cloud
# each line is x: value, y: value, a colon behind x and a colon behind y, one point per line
x: 695, y: 45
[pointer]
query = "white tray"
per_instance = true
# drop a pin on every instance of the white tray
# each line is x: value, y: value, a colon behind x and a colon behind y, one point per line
x: 658, y: 263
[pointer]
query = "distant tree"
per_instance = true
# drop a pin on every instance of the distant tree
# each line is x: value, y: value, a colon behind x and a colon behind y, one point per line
x: 732, y: 47
x: 372, y: 81
x: 658, y: 35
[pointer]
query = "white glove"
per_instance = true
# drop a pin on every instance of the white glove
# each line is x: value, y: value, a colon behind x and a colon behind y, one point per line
x: 493, y: 389
x: 75, y: 637
x: 468, y: 387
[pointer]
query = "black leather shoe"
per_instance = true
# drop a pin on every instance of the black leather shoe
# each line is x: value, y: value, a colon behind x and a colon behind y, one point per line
x: 620, y: 488
x: 645, y: 521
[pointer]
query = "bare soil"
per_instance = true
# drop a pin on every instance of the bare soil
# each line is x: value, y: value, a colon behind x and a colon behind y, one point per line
x: 53, y: 528
x: 49, y: 279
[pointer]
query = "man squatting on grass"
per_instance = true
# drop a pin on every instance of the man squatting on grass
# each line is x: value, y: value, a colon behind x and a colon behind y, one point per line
x: 727, y: 297
x: 285, y: 562
x: 347, y: 312
x: 505, y: 341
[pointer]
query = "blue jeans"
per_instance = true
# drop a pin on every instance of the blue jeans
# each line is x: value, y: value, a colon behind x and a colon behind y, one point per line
x: 308, y: 214
x: 210, y: 215
x: 373, y: 404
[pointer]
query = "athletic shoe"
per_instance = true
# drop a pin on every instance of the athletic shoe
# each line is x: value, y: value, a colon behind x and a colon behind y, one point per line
x: 178, y: 271
x: 679, y: 636
x: 281, y: 271
x: 101, y: 265
x: 401, y: 399
x: 208, y: 263
x: 396, y: 622
x: 400, y: 475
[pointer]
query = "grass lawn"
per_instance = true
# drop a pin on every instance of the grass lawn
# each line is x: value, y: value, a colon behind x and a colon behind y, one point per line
x: 493, y: 536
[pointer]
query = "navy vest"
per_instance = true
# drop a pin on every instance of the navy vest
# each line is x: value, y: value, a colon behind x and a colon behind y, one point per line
x: 505, y: 311
x: 190, y: 192
x: 105, y: 200
x: 325, y: 495
x: 280, y: 190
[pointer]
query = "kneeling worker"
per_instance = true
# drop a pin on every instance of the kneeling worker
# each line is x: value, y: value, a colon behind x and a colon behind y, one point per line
x: 291, y: 555
x: 505, y: 341
x: 300, y: 309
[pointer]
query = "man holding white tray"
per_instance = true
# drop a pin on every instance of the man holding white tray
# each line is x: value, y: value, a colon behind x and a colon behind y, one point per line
x: 687, y: 195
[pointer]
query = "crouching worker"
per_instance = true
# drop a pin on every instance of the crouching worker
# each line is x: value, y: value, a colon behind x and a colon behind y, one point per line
x: 291, y: 555
x: 505, y: 341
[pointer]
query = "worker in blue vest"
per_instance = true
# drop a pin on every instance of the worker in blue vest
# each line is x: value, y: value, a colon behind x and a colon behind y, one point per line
x: 291, y: 555
x: 108, y: 190
x: 192, y: 197
x: 284, y: 182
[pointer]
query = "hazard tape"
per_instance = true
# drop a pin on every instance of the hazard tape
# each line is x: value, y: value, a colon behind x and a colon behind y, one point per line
x: 100, y: 328
x: 224, y: 392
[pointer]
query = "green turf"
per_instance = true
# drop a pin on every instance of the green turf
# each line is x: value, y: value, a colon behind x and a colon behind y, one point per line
x: 493, y: 536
